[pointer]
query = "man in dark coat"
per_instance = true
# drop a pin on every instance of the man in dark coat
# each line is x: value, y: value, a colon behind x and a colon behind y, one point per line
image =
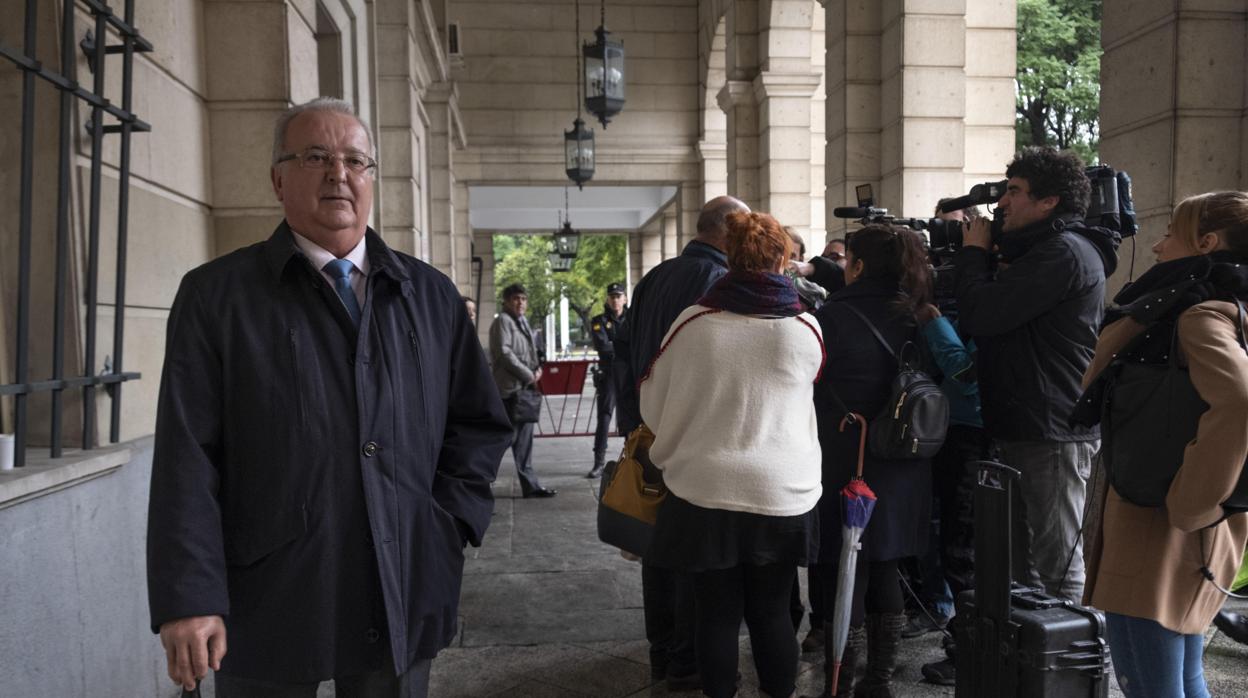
x: 327, y: 432
x: 602, y: 331
x: 1036, y: 324
x: 658, y: 298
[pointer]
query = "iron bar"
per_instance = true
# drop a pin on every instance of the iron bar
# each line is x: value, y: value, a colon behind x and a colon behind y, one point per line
x: 123, y: 214
x: 66, y: 383
x: 60, y: 278
x: 22, y: 350
x: 61, y: 82
x: 93, y: 237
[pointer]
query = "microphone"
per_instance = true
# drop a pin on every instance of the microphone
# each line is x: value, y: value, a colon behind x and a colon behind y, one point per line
x: 960, y: 203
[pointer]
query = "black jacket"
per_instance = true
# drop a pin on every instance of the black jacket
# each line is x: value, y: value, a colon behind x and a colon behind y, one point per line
x: 312, y: 484
x: 603, y: 328
x: 1036, y: 324
x: 860, y: 373
x: 658, y: 298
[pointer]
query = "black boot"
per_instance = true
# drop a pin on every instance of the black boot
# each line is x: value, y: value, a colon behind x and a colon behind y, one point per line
x: 851, y: 660
x: 600, y: 459
x: 1233, y: 625
x: 883, y: 640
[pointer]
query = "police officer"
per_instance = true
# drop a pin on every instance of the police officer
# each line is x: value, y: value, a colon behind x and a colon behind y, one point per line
x: 603, y: 328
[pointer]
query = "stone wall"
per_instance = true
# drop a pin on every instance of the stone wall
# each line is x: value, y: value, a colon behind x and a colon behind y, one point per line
x: 1174, y: 107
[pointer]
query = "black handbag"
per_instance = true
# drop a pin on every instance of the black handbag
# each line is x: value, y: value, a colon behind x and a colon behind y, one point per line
x: 1149, y: 413
x: 525, y: 406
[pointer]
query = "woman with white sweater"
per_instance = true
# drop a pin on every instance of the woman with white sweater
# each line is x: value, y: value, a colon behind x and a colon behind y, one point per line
x: 730, y: 400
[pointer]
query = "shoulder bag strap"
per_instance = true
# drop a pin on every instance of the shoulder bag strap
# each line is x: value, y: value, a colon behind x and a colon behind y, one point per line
x: 879, y: 337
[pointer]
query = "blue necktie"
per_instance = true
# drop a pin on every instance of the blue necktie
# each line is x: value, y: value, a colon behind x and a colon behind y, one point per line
x: 340, y: 271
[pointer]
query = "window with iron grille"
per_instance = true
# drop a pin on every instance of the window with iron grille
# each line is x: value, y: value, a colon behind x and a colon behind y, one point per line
x: 109, y: 45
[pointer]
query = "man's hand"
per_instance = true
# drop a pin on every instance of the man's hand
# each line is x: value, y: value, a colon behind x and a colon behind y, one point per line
x: 927, y: 313
x: 537, y: 376
x: 978, y: 234
x: 192, y: 646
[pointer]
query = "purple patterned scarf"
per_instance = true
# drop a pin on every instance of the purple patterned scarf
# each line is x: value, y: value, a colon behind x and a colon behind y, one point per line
x: 753, y: 293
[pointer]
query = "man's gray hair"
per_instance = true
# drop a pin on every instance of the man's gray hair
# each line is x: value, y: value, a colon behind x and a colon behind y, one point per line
x: 330, y: 104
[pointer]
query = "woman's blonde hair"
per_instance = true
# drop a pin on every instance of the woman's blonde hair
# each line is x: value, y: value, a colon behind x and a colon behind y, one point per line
x: 1224, y: 213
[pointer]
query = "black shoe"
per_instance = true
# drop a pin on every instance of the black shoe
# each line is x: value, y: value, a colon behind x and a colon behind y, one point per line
x: 942, y: 673
x: 541, y: 492
x: 1233, y: 625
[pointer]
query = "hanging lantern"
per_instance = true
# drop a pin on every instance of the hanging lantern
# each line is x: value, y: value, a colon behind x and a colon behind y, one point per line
x: 578, y: 145
x: 567, y: 241
x: 604, y: 75
x: 559, y: 263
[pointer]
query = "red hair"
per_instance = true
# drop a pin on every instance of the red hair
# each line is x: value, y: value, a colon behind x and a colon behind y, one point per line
x: 756, y: 242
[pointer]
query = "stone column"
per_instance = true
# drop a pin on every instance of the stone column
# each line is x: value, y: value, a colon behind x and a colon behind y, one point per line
x: 784, y: 145
x: 991, y: 42
x: 439, y: 100
x: 263, y: 59
x: 650, y: 245
x: 852, y: 110
x: 671, y: 230
x: 1174, y: 107
x: 923, y: 104
x: 462, y: 241
x: 403, y: 123
x: 736, y: 99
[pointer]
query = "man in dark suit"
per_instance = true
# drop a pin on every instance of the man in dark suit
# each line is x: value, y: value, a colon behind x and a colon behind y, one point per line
x: 602, y: 331
x: 326, y: 436
x: 658, y: 298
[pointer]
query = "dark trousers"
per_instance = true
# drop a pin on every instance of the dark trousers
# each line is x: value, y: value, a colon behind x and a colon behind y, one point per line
x: 760, y: 595
x: 414, y: 683
x: 954, y: 480
x: 667, y: 597
x: 522, y: 452
x: 605, y: 390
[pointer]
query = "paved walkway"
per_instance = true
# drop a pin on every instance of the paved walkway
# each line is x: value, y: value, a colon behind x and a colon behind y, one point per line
x: 548, y: 611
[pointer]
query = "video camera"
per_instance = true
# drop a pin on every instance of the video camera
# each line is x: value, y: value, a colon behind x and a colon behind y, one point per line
x: 941, y: 234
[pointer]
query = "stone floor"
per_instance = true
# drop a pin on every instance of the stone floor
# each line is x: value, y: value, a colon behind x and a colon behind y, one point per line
x: 548, y: 611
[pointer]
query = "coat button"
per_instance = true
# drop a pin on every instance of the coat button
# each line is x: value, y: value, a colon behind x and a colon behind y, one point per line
x: 370, y: 449
x: 372, y: 636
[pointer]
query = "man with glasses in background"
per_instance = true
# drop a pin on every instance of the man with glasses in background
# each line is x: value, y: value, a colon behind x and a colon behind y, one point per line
x: 326, y: 436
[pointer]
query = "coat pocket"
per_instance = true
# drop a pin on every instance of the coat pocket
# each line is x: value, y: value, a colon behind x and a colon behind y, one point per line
x: 251, y: 541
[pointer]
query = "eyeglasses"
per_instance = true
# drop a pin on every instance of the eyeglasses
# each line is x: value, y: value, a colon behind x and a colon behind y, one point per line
x: 834, y: 256
x: 319, y: 159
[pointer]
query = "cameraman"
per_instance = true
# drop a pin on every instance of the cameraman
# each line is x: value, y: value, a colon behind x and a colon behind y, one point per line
x: 1035, y: 323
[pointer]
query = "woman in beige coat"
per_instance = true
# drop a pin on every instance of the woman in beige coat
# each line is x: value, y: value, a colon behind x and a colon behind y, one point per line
x: 1145, y: 570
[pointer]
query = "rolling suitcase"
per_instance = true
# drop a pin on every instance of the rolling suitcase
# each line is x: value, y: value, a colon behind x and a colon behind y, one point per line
x: 1013, y: 640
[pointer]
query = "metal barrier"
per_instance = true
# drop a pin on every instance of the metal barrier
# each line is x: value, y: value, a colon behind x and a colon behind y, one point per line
x: 95, y: 48
x: 564, y: 381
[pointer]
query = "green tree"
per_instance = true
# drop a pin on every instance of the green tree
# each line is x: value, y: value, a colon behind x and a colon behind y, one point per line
x: 523, y: 259
x: 1058, y: 91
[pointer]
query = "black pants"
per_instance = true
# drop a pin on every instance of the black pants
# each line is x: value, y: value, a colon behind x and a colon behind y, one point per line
x: 877, y: 589
x: 522, y: 452
x: 605, y: 389
x: 954, y: 481
x: 760, y: 595
x: 667, y: 597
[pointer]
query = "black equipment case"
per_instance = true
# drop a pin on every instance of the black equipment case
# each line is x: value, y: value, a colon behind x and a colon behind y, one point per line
x: 1013, y: 640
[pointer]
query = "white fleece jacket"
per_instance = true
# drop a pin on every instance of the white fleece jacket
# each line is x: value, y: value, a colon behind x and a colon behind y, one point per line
x: 730, y: 401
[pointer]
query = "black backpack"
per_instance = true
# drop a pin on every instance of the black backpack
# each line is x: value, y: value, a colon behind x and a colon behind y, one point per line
x: 915, y: 419
x: 1148, y: 413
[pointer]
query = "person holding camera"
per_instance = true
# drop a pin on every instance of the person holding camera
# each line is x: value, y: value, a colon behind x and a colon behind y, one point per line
x: 602, y: 331
x: 1035, y: 323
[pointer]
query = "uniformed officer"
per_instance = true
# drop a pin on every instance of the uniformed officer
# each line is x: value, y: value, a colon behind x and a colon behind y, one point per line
x: 603, y: 328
